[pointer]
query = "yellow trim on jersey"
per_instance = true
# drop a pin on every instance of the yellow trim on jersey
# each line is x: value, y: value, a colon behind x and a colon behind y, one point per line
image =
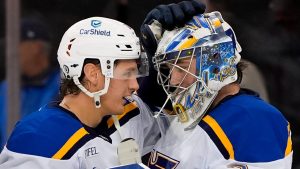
x: 70, y: 143
x: 188, y: 43
x: 129, y: 107
x: 221, y: 134
x: 288, y: 148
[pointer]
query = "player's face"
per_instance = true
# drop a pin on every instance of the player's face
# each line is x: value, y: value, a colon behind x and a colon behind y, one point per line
x: 184, y: 75
x: 120, y: 87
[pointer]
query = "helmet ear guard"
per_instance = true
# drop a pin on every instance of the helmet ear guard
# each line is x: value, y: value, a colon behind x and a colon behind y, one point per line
x: 212, y: 43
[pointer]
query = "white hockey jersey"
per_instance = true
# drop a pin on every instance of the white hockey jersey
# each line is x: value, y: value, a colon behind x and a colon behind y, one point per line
x: 54, y: 138
x: 241, y: 132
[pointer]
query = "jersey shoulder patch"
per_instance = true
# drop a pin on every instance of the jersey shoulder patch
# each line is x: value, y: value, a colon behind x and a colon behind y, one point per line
x: 245, y: 128
x: 50, y: 133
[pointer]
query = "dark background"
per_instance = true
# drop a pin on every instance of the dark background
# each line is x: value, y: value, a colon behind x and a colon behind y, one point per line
x: 61, y: 14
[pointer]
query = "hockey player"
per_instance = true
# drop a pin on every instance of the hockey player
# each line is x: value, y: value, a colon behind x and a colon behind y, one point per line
x: 100, y: 59
x: 214, y: 123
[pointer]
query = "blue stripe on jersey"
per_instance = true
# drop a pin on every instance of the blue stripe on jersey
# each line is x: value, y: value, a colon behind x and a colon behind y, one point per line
x: 257, y: 131
x: 44, y: 132
x: 77, y: 145
x: 215, y: 139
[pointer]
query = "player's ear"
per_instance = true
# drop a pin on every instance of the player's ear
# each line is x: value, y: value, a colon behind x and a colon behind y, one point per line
x: 92, y: 73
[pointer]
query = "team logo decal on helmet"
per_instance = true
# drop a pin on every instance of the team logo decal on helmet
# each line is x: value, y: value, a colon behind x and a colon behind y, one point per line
x: 87, y: 30
x: 96, y: 23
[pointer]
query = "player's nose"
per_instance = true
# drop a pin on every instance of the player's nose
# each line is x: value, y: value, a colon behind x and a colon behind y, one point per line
x: 176, y: 77
x: 133, y: 85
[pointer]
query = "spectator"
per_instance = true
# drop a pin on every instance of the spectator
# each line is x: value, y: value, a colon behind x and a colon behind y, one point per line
x: 39, y: 81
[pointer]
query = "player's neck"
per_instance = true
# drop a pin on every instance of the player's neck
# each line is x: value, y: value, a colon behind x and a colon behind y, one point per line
x: 228, y: 90
x: 84, y: 108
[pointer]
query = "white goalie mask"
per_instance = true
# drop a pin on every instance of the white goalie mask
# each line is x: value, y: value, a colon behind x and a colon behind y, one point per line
x: 104, y: 39
x: 194, y: 63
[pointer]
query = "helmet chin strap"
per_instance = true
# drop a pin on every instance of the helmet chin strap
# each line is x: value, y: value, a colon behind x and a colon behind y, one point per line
x: 95, y: 95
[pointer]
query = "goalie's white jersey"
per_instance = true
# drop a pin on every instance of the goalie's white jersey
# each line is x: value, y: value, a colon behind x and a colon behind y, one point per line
x: 53, y: 138
x: 242, y: 132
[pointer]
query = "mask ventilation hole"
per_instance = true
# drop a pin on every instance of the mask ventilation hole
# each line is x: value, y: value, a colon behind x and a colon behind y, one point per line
x: 216, y: 70
x: 190, y: 37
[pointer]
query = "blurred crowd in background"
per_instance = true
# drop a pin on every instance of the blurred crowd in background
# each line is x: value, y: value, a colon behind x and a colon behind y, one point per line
x: 268, y: 31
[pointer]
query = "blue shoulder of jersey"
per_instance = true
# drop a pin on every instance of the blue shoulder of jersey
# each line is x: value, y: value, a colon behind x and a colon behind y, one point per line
x: 51, y: 132
x: 245, y: 128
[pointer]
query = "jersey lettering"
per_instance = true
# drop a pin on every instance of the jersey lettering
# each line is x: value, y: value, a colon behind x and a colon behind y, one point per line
x: 91, y: 151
